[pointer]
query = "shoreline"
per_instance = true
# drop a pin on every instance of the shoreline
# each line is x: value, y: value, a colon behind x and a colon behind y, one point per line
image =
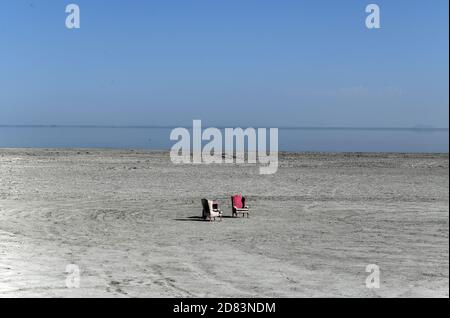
x: 149, y: 150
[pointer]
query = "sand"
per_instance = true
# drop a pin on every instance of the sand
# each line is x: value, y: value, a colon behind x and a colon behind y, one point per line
x: 129, y: 221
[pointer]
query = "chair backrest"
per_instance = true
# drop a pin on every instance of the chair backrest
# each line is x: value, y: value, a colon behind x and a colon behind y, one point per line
x: 205, y: 205
x: 210, y: 206
x: 236, y: 200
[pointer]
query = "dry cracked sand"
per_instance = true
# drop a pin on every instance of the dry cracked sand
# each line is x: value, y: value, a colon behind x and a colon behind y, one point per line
x: 129, y: 221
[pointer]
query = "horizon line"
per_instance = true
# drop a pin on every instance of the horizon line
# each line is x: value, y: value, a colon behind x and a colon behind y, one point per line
x: 221, y: 127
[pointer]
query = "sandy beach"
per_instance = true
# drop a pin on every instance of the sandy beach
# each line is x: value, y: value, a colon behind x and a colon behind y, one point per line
x: 129, y: 221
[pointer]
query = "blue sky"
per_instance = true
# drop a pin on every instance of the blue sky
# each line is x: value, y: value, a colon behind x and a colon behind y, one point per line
x: 234, y: 62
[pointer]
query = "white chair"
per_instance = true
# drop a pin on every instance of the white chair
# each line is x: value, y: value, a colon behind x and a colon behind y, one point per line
x: 209, y: 211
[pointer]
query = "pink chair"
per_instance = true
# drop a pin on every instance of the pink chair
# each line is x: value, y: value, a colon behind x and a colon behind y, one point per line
x: 238, y: 205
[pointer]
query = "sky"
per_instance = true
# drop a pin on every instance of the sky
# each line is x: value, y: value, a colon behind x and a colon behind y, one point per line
x: 226, y: 62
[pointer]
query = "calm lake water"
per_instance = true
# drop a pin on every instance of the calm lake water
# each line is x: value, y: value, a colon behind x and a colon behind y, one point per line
x: 290, y: 139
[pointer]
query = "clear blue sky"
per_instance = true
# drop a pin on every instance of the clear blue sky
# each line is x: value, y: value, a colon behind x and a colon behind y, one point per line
x: 227, y: 62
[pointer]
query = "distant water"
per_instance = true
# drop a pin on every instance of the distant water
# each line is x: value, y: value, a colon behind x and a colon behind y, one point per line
x: 290, y: 139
